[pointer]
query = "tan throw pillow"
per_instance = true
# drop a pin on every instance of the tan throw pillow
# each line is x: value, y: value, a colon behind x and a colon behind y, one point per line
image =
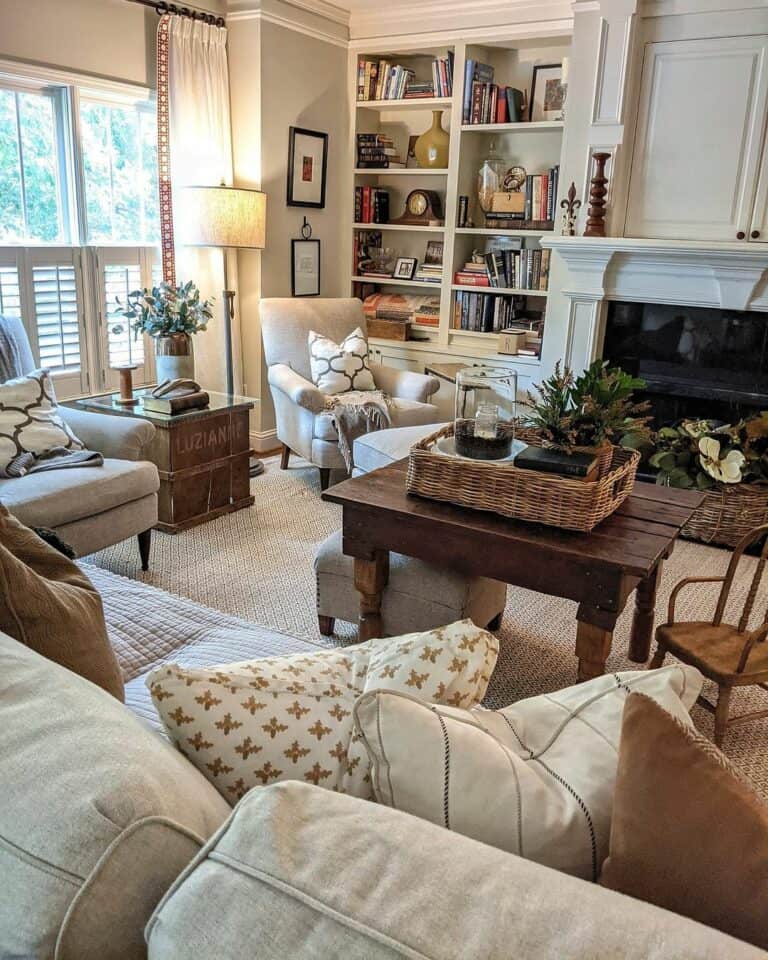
x: 51, y: 606
x: 30, y: 421
x: 535, y: 779
x: 688, y: 833
x: 290, y: 718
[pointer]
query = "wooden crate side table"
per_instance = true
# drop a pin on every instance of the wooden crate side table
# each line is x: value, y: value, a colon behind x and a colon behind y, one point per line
x: 202, y: 457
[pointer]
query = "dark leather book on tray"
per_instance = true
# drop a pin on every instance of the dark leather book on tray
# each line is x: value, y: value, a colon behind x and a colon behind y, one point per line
x: 178, y: 404
x: 576, y: 466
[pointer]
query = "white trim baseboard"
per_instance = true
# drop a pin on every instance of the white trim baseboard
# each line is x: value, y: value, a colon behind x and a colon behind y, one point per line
x: 262, y: 440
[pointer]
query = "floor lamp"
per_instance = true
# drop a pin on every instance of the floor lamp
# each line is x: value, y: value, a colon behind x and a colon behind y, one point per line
x: 227, y: 218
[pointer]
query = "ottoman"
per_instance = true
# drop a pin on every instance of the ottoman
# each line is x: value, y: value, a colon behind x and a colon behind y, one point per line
x: 418, y: 596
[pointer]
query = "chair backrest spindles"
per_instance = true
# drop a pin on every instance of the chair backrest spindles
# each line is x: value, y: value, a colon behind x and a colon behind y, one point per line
x: 754, y: 586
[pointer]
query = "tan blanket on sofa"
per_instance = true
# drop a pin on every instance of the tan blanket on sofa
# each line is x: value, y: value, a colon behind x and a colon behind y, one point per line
x: 356, y: 413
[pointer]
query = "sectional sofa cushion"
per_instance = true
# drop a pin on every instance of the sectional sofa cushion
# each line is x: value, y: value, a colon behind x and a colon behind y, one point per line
x: 701, y: 851
x: 290, y: 718
x: 98, y: 815
x: 49, y: 604
x: 305, y: 874
x: 535, y: 778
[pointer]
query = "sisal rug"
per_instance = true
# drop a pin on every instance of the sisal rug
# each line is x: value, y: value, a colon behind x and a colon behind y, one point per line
x: 257, y: 564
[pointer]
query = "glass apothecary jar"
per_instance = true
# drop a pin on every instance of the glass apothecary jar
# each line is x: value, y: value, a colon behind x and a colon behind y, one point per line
x: 486, y: 399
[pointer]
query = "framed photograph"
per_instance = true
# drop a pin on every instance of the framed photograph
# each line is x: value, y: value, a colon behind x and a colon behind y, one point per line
x: 307, y: 165
x: 434, y: 253
x: 305, y: 268
x: 405, y: 268
x: 547, y: 92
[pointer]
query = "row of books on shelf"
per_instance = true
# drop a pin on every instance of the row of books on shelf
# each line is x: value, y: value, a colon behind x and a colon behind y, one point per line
x: 540, y: 199
x: 485, y: 313
x: 525, y: 269
x: 371, y: 205
x: 383, y: 80
x: 495, y: 104
x: 377, y: 150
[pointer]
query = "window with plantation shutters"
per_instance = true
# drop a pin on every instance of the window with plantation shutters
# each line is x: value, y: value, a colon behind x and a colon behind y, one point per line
x: 10, y: 292
x: 57, y: 319
x: 122, y: 346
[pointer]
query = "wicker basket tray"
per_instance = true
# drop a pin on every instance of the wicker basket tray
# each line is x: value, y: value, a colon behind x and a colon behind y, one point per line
x: 727, y: 514
x: 522, y: 494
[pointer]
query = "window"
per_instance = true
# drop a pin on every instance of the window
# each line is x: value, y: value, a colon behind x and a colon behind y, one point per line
x: 79, y: 220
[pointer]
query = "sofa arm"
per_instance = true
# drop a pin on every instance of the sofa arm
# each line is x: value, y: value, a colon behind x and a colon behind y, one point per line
x: 297, y: 388
x: 404, y: 383
x: 117, y: 438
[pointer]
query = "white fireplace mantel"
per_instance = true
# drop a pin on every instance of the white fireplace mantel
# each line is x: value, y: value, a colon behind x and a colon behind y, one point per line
x: 730, y: 276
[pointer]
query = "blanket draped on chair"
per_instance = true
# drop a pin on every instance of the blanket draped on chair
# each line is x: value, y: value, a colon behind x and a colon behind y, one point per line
x: 356, y: 413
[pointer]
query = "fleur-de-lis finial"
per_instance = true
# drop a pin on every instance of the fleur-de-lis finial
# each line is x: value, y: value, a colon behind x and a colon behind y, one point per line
x: 570, y: 206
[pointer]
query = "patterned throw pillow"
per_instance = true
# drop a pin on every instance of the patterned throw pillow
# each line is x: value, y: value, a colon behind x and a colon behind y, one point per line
x: 535, y: 779
x: 340, y: 367
x: 290, y: 718
x: 30, y: 421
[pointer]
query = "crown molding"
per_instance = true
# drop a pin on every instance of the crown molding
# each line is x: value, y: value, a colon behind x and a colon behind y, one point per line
x: 239, y: 9
x: 301, y: 16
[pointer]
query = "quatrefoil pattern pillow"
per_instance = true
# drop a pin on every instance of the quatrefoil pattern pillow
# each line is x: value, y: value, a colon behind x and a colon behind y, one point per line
x: 290, y: 718
x: 340, y: 367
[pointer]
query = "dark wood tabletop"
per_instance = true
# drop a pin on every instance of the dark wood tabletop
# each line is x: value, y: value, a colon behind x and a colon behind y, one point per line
x: 599, y: 570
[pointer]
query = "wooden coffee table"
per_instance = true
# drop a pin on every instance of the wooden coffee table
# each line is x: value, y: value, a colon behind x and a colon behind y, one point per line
x: 598, y: 570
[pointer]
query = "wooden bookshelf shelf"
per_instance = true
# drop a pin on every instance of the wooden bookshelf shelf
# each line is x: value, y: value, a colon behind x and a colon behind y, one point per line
x: 408, y: 172
x: 392, y: 281
x: 540, y: 126
x: 518, y: 291
x: 490, y: 232
x: 415, y: 103
x: 397, y: 226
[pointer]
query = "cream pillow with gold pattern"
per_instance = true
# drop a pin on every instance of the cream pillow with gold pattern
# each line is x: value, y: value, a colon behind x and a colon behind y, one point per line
x: 290, y: 718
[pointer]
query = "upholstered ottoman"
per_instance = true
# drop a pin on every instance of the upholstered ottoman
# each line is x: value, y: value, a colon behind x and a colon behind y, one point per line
x: 382, y: 447
x: 418, y: 596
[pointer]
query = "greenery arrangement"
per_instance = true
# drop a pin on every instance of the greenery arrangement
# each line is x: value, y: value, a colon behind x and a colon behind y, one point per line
x: 166, y: 310
x: 594, y: 408
x: 703, y: 453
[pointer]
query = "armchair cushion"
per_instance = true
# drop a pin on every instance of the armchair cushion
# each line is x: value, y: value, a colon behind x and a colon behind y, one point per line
x: 120, y: 438
x: 404, y: 413
x: 404, y: 383
x: 296, y: 388
x: 340, y: 367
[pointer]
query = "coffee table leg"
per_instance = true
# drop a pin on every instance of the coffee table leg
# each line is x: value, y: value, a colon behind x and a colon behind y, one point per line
x: 642, y: 621
x: 371, y: 577
x: 594, y: 636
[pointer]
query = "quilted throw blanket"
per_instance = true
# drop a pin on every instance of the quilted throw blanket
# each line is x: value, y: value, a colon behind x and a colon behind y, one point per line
x: 355, y: 413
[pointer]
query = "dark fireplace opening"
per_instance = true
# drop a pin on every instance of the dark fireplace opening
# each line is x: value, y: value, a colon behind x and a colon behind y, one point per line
x: 698, y: 362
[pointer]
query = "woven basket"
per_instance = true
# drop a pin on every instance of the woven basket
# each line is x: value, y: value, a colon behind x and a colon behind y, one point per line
x: 522, y: 494
x: 728, y: 512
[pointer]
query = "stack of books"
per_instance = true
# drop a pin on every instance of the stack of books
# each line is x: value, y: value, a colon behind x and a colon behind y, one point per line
x: 371, y: 205
x: 527, y: 269
x: 484, y: 312
x: 474, y: 73
x: 418, y: 89
x: 540, y: 203
x: 561, y: 463
x: 495, y: 104
x: 377, y: 151
x: 431, y: 269
x: 442, y: 75
x: 382, y: 80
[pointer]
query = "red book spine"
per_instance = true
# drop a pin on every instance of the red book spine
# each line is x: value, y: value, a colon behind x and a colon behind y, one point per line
x: 471, y: 280
x: 502, y: 115
x: 366, y: 205
x: 544, y: 195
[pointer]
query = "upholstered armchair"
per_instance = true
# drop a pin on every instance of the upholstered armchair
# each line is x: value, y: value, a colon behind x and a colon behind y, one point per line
x: 304, y: 425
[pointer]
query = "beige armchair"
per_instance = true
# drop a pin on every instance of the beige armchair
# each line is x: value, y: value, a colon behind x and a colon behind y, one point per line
x: 304, y: 426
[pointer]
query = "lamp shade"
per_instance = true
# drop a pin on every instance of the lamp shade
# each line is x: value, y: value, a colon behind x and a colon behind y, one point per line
x: 223, y: 217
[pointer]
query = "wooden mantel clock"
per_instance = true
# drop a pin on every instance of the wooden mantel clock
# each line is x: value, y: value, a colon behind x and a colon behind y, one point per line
x: 423, y: 208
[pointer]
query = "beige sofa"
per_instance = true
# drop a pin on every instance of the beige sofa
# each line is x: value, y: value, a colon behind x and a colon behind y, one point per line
x: 108, y: 836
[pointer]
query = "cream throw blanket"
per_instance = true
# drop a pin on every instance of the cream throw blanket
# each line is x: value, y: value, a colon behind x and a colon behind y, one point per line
x: 355, y: 413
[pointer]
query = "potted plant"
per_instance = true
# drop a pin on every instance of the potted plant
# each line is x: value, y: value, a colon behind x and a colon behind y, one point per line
x: 729, y: 462
x: 590, y: 412
x: 170, y: 315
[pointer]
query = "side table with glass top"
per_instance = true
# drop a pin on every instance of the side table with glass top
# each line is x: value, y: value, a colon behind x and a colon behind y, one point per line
x: 202, y: 456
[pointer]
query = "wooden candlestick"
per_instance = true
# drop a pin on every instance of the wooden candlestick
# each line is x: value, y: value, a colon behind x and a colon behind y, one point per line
x: 126, y: 384
x: 597, y: 192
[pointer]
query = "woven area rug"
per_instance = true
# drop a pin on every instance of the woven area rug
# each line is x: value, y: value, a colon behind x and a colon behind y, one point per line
x: 257, y: 564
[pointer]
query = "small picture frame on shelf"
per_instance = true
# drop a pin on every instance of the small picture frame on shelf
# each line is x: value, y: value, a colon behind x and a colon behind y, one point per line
x: 405, y: 268
x: 307, y: 167
x: 305, y: 268
x: 547, y: 93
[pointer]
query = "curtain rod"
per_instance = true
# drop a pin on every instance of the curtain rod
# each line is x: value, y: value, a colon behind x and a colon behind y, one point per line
x: 161, y: 7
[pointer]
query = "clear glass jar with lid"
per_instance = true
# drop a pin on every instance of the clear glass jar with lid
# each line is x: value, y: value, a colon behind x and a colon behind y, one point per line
x: 486, y: 404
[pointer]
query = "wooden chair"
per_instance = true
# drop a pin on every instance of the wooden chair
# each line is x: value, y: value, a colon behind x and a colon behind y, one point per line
x: 730, y: 656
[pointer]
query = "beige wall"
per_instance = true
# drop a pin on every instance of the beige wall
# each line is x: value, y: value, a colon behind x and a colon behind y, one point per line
x: 302, y: 82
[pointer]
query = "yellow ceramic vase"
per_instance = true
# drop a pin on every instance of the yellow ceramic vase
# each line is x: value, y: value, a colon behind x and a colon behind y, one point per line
x: 431, y: 148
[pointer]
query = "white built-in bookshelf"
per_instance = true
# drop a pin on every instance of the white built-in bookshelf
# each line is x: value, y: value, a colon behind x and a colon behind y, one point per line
x: 535, y: 146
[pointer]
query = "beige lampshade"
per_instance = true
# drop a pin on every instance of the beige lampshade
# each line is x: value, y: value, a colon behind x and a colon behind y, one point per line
x: 222, y: 217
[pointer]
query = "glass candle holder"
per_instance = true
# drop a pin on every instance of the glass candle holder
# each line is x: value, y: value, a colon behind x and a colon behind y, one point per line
x: 486, y: 400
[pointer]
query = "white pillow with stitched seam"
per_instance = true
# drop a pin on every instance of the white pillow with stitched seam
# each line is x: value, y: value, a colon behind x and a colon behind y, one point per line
x: 290, y: 718
x: 535, y: 779
x: 340, y: 367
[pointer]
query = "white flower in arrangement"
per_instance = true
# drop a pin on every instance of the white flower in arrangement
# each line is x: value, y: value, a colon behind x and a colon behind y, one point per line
x: 725, y: 470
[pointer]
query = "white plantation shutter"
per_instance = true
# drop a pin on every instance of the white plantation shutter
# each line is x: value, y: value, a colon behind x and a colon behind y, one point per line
x: 10, y: 291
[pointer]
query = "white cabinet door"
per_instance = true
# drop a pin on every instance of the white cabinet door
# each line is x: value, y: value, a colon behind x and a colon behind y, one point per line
x: 699, y: 137
x: 758, y: 228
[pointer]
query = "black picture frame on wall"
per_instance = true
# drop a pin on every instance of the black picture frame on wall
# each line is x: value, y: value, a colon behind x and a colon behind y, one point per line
x: 307, y: 168
x: 305, y: 268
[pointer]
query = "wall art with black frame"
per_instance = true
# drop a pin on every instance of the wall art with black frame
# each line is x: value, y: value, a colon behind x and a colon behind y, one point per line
x: 307, y: 167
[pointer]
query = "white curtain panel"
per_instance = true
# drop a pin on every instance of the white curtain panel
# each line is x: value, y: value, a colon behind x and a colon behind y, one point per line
x: 201, y: 154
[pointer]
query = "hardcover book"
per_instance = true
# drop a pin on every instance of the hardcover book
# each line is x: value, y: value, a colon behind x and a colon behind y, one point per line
x: 578, y: 466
